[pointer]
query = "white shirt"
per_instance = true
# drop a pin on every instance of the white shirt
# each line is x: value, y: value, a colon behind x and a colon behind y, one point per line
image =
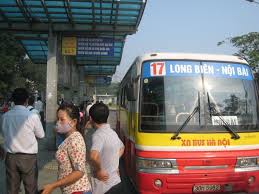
x: 38, y: 105
x: 88, y: 108
x: 33, y: 110
x: 107, y: 143
x: 20, y: 128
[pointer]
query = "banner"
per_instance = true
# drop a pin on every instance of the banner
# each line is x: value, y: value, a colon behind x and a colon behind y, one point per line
x: 191, y: 68
x: 83, y: 46
x: 95, y: 46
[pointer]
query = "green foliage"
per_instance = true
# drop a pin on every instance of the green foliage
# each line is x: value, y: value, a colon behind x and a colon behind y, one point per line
x: 110, y: 90
x: 248, y: 45
x: 11, y: 55
x: 35, y: 75
x: 16, y: 70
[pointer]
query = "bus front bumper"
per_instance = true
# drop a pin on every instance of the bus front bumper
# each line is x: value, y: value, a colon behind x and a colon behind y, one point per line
x: 236, y: 182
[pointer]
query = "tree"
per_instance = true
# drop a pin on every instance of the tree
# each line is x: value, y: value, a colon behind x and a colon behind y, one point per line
x: 34, y: 75
x: 248, y: 45
x: 11, y: 54
x: 17, y: 70
x: 111, y: 89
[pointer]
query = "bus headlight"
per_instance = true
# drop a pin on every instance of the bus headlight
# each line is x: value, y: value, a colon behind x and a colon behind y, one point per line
x: 247, y: 164
x: 157, y: 165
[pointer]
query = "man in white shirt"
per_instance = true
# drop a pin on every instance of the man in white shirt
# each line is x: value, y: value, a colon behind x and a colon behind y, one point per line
x: 39, y: 106
x: 88, y: 108
x: 20, y: 128
x: 30, y: 106
x: 105, y: 153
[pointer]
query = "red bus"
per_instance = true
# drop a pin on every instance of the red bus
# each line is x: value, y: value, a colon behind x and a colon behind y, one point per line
x: 190, y: 124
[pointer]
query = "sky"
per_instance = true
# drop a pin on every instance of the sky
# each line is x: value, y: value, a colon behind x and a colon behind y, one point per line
x: 192, y: 26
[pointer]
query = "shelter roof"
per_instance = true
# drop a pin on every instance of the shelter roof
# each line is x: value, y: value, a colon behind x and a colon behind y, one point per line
x: 31, y: 21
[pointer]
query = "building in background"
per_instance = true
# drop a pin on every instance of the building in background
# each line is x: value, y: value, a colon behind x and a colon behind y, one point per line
x: 106, y: 99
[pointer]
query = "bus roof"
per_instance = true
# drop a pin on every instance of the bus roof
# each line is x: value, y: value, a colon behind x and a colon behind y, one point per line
x: 192, y: 56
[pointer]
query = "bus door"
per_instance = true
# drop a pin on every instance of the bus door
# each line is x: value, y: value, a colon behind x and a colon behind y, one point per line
x: 131, y: 128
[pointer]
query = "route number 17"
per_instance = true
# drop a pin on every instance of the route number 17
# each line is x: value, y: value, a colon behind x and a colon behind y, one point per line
x: 157, y: 68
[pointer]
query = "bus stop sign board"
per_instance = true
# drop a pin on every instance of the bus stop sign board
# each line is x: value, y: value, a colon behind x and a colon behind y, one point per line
x: 82, y: 46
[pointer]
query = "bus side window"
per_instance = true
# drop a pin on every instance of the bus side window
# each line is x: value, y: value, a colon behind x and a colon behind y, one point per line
x: 124, y: 100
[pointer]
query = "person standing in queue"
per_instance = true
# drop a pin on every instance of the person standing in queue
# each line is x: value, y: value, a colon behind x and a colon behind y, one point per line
x: 71, y: 154
x: 105, y: 153
x: 5, y: 107
x: 39, y: 106
x: 30, y: 106
x: 20, y: 129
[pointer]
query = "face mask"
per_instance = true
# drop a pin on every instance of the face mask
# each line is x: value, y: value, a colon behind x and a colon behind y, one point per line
x: 63, y: 128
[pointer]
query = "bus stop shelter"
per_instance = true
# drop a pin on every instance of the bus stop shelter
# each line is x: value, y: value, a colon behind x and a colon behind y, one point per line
x: 74, y: 38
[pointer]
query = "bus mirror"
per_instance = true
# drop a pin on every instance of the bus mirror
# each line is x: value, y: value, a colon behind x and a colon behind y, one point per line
x: 131, y: 92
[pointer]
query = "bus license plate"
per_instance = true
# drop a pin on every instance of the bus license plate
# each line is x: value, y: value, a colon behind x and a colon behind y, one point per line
x: 206, y: 188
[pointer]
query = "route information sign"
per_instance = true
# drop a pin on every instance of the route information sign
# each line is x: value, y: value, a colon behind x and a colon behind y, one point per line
x: 83, y: 46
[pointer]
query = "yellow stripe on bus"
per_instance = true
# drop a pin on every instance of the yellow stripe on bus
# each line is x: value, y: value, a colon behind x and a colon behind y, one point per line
x: 196, y: 139
x: 187, y: 139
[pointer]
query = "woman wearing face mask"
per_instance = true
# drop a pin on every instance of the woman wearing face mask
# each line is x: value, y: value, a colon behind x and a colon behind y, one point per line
x: 71, y: 154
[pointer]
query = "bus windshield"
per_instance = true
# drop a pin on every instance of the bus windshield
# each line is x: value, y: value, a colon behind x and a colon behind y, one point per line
x: 172, y: 89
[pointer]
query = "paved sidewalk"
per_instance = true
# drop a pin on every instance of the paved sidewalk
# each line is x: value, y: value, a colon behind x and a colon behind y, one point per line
x: 47, y: 168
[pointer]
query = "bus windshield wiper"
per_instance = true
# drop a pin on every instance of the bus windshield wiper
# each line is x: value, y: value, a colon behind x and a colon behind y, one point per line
x: 196, y: 109
x: 215, y: 112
